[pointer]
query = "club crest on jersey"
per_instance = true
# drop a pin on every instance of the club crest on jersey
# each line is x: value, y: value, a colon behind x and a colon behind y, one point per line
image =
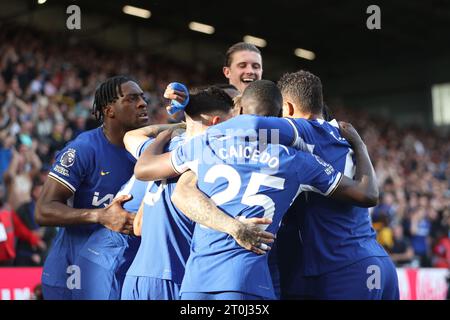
x: 328, y: 168
x: 68, y: 158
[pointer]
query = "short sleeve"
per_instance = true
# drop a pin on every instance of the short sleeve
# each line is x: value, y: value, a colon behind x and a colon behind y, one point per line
x: 316, y: 175
x: 141, y: 148
x: 183, y: 157
x: 299, y: 127
x: 71, y: 165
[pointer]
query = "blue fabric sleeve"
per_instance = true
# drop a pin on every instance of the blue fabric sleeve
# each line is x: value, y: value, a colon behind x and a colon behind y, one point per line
x: 315, y: 175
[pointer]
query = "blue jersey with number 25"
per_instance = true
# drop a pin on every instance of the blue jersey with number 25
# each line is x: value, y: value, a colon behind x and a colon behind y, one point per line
x: 244, y: 178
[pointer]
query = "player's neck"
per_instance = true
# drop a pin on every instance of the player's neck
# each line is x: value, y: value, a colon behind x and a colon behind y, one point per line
x: 194, y: 128
x: 114, y: 135
x: 306, y: 115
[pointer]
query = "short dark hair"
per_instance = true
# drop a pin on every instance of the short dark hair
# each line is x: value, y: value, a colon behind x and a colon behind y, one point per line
x: 240, y: 46
x: 262, y: 97
x: 231, y: 90
x: 107, y: 92
x: 208, y: 101
x: 304, y: 88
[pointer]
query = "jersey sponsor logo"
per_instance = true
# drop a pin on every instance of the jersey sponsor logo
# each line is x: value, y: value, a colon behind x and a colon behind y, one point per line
x: 97, y: 201
x: 68, y: 158
x: 61, y: 170
x: 104, y: 173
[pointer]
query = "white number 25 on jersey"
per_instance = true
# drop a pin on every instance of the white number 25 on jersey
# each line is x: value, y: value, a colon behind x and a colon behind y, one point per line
x: 251, y: 196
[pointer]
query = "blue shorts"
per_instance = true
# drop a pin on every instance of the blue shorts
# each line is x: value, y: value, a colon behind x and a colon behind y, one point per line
x: 226, y: 295
x: 373, y: 278
x: 148, y: 288
x: 56, y: 293
x: 97, y: 282
x: 103, y: 261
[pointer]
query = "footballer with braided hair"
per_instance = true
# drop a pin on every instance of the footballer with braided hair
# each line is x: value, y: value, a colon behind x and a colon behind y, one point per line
x: 78, y: 198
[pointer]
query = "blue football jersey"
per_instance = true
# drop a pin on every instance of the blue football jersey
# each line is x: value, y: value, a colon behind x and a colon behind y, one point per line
x: 334, y: 234
x: 244, y: 177
x: 265, y: 129
x: 112, y: 250
x: 135, y: 187
x: 166, y: 233
x: 94, y: 170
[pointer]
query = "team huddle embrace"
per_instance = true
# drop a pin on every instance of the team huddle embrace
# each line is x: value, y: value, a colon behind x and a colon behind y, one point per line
x: 256, y: 194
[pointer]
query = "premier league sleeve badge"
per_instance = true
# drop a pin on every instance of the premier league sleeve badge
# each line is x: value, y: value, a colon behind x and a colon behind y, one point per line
x: 68, y: 158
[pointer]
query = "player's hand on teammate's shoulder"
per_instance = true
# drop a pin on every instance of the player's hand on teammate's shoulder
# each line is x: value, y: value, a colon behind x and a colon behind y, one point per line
x: 178, y: 129
x: 168, y: 134
x: 349, y: 132
x: 180, y: 125
x: 250, y: 235
x: 116, y: 218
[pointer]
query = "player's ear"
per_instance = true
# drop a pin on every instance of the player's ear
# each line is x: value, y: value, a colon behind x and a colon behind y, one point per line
x: 290, y: 109
x: 226, y: 72
x: 108, y: 111
x: 215, y: 120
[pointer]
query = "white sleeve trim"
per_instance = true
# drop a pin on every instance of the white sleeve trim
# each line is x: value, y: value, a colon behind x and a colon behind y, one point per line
x: 138, y: 150
x: 331, y: 189
x: 178, y: 168
x: 62, y: 181
x: 334, y: 186
x: 296, y: 135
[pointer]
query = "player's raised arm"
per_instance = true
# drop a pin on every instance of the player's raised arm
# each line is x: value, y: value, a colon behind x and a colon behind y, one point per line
x: 203, y: 210
x: 363, y: 191
x: 135, y: 138
x: 153, y: 164
x: 51, y: 210
x: 280, y: 130
x: 275, y: 130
